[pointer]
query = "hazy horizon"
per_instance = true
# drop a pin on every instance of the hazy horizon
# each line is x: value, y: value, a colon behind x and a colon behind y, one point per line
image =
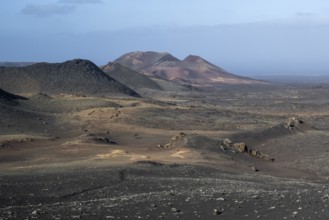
x: 245, y: 38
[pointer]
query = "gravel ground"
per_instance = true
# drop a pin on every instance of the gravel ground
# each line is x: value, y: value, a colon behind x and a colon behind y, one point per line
x: 154, y: 191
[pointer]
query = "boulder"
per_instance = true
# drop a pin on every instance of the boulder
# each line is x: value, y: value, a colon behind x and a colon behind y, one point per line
x: 177, y: 140
x: 240, y: 147
x: 293, y: 122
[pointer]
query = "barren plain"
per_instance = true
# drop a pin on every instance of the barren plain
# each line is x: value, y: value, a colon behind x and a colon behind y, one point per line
x: 231, y: 152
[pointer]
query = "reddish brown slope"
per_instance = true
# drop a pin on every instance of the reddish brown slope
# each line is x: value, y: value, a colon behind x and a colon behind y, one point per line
x: 192, y: 70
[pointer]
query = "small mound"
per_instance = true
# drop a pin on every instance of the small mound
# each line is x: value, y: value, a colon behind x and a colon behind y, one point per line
x: 290, y: 127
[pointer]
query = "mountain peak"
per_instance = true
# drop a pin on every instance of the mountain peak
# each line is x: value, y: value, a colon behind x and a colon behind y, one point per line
x: 192, y: 70
x: 80, y: 63
x: 142, y: 59
x: 194, y: 58
x: 169, y: 57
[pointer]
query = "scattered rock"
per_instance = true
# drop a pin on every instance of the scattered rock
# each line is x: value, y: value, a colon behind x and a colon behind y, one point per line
x: 175, y: 210
x: 105, y: 140
x: 258, y: 154
x: 255, y: 169
x: 217, y: 212
x: 254, y: 153
x: 227, y: 145
x: 98, y: 138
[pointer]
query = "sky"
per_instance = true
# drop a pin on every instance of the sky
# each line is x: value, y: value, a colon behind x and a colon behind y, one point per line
x: 254, y: 37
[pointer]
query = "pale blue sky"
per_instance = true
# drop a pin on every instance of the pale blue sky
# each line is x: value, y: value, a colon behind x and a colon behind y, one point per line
x: 244, y: 37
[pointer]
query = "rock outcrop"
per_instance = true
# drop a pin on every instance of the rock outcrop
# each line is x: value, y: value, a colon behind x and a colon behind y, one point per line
x: 293, y: 122
x: 177, y: 140
x: 227, y: 145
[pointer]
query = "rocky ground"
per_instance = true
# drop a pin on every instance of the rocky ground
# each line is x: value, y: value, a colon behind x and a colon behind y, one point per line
x: 157, y: 191
x: 234, y: 153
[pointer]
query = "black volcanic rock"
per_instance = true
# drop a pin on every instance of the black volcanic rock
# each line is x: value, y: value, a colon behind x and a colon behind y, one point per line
x: 80, y: 77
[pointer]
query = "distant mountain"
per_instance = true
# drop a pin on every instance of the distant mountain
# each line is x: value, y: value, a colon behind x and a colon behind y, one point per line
x: 129, y: 77
x: 80, y: 77
x: 15, y: 64
x: 296, y: 79
x: 8, y: 96
x: 192, y: 70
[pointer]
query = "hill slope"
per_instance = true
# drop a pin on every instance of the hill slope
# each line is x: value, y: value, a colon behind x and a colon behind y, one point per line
x: 71, y: 77
x: 8, y: 96
x: 129, y: 77
x: 192, y: 70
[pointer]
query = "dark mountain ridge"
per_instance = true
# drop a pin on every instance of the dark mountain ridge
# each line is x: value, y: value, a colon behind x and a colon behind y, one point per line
x: 129, y: 77
x: 80, y: 77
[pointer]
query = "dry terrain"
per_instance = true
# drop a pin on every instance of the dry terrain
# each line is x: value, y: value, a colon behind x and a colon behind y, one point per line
x: 233, y: 152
